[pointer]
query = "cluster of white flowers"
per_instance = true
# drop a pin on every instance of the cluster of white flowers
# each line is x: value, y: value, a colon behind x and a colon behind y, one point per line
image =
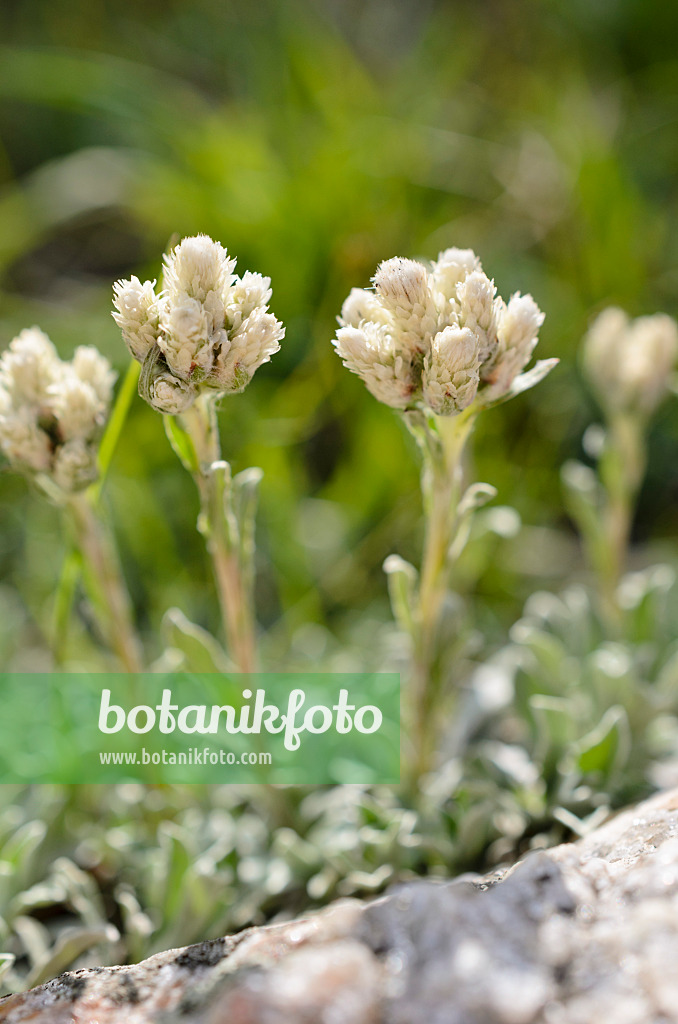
x: 206, y: 328
x: 630, y: 362
x: 52, y: 412
x: 439, y: 336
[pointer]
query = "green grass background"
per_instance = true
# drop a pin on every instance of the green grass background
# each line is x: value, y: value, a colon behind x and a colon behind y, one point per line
x: 314, y: 139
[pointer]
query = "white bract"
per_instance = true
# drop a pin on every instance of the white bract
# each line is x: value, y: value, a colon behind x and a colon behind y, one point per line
x: 52, y: 412
x: 440, y: 337
x: 631, y: 362
x: 206, y: 328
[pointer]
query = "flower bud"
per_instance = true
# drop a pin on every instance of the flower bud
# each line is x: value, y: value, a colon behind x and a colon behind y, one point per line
x: 137, y: 315
x: 255, y: 341
x: 451, y: 375
x: 362, y: 305
x: 369, y: 351
x: 402, y: 284
x: 187, y: 339
x: 169, y: 395
x: 164, y: 392
x: 478, y: 311
x: 23, y: 442
x: 451, y: 268
x: 94, y: 369
x: 29, y: 366
x: 77, y: 408
x: 403, y: 287
x: 630, y: 362
x: 198, y: 267
x: 249, y: 292
x: 518, y: 325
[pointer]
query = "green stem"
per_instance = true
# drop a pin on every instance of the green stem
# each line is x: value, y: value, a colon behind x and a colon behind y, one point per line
x: 622, y: 469
x: 442, y: 479
x: 71, y: 569
x: 63, y: 603
x: 104, y: 580
x: 231, y: 552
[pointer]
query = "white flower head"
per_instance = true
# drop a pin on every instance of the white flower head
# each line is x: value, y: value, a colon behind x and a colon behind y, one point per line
x: 479, y: 310
x: 402, y: 284
x: 517, y: 329
x: 198, y: 267
x: 212, y: 329
x: 189, y: 337
x: 630, y: 362
x: 29, y: 366
x: 360, y: 305
x: 369, y: 351
x: 451, y: 268
x: 52, y: 412
x: 250, y: 292
x: 23, y: 443
x: 94, y: 369
x: 137, y: 314
x: 438, y: 337
x: 451, y: 376
x: 77, y: 408
x: 405, y: 293
x: 255, y: 341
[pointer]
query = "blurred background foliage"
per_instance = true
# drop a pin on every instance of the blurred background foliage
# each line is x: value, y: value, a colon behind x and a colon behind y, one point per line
x: 314, y: 138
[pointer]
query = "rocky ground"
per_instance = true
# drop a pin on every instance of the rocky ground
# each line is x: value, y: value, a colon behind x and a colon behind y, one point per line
x: 585, y: 932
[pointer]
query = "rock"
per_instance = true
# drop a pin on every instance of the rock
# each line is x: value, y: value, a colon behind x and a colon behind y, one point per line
x: 587, y: 931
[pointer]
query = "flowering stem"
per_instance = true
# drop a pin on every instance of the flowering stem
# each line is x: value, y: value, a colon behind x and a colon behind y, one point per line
x: 104, y: 581
x: 63, y: 602
x: 622, y: 468
x: 227, y: 523
x: 442, y: 443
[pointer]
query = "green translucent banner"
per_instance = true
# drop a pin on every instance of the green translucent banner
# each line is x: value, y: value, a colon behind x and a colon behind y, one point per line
x: 302, y: 729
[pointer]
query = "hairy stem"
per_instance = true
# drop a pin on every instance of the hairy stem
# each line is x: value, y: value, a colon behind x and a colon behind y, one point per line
x: 228, y: 538
x: 622, y: 469
x: 442, y: 490
x: 104, y: 580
